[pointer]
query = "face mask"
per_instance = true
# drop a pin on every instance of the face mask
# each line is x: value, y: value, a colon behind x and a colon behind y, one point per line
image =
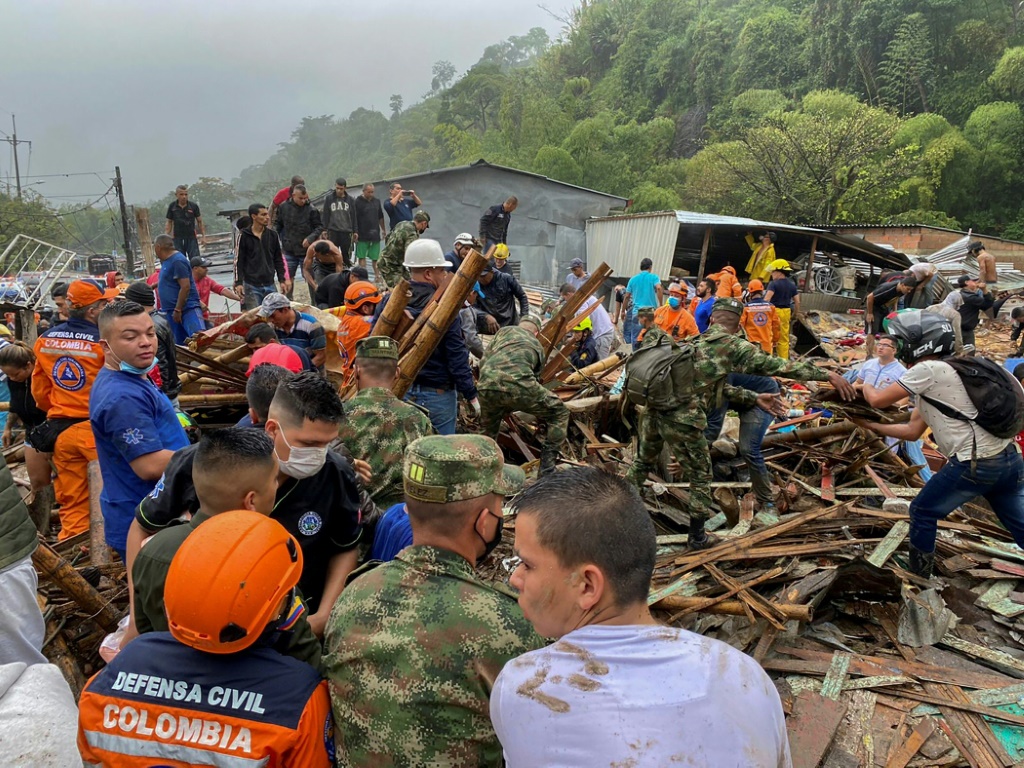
x: 302, y: 462
x: 673, y: 302
x: 127, y: 368
x: 489, y: 546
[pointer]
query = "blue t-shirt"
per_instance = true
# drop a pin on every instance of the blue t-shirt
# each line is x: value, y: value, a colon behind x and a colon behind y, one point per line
x: 130, y: 417
x: 400, y: 211
x: 703, y: 313
x: 783, y: 290
x: 641, y: 287
x: 393, y: 534
x: 171, y: 272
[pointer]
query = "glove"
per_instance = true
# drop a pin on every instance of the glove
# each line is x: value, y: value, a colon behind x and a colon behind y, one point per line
x: 475, y: 402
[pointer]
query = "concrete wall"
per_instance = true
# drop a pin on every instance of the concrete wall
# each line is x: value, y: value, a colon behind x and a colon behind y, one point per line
x: 547, y: 229
x: 921, y: 241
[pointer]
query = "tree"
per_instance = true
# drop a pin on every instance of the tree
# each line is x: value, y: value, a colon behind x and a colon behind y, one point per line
x: 767, y: 52
x: 30, y: 215
x: 907, y: 69
x: 396, y: 105
x: 476, y: 97
x: 444, y: 73
x: 1008, y: 78
x: 556, y: 163
x: 650, y: 197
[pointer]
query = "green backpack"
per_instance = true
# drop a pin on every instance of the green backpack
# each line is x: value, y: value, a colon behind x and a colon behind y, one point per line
x: 661, y: 376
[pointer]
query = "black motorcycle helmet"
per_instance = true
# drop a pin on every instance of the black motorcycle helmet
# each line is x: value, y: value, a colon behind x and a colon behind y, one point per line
x: 921, y: 334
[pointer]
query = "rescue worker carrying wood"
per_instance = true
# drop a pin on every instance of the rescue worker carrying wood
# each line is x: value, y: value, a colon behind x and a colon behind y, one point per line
x: 510, y: 381
x: 212, y: 691
x: 68, y: 358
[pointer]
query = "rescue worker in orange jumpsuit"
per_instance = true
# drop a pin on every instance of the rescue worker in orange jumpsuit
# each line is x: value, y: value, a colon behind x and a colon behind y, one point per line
x: 760, y: 321
x: 356, y: 319
x: 728, y: 284
x: 673, y: 318
x: 213, y: 691
x: 68, y: 357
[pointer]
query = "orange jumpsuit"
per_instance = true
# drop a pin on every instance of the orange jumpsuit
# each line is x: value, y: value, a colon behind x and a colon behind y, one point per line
x: 68, y: 357
x: 351, y: 328
x: 761, y: 323
x: 728, y: 285
x: 678, y: 323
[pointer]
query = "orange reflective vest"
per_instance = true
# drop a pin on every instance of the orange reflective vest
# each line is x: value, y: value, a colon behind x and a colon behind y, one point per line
x: 351, y: 328
x: 68, y: 357
x: 761, y: 323
x: 678, y: 323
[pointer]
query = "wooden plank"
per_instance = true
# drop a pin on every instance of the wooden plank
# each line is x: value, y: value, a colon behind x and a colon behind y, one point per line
x: 909, y: 748
x: 1004, y: 661
x: 684, y: 586
x: 997, y: 599
x: 737, y: 587
x: 812, y: 728
x: 757, y: 603
x: 838, y: 670
x: 983, y: 749
x: 889, y: 544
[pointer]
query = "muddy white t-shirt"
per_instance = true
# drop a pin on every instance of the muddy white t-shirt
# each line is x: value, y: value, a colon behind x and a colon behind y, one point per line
x: 638, y: 695
x: 938, y: 380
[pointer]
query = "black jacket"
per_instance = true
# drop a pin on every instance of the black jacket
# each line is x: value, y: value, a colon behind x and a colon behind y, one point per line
x: 499, y: 301
x: 165, y: 354
x: 970, y: 311
x: 296, y: 223
x: 259, y: 258
x: 494, y: 224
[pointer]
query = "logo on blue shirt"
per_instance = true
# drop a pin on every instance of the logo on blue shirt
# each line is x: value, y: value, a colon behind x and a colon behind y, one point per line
x: 132, y: 436
x: 68, y: 374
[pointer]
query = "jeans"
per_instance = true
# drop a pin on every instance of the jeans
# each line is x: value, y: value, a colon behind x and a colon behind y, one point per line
x: 1000, y: 480
x: 188, y: 246
x: 255, y: 294
x: 191, y: 323
x: 441, y: 404
x: 294, y: 266
x: 754, y: 425
x: 630, y: 329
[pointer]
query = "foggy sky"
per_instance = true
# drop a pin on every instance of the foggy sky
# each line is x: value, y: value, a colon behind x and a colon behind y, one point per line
x: 172, y: 91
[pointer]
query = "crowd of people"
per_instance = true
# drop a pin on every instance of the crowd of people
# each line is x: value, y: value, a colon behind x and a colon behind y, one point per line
x: 340, y: 618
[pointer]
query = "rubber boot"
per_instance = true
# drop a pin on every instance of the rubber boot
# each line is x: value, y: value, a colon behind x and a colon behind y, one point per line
x: 922, y: 563
x: 698, y: 538
x: 548, y: 457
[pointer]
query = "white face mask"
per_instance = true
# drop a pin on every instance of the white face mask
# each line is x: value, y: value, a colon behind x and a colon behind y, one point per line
x: 302, y: 462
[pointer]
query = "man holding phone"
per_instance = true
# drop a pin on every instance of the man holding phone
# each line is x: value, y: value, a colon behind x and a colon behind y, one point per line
x: 400, y: 204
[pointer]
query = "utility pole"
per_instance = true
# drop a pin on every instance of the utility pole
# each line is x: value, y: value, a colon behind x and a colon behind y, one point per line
x: 128, y: 255
x: 13, y: 141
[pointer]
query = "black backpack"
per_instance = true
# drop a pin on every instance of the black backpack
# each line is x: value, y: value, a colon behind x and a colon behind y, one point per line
x: 993, y: 390
x: 660, y: 376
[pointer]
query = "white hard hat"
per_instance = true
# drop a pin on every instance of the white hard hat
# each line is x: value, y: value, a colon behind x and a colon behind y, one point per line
x: 424, y: 253
x: 464, y: 239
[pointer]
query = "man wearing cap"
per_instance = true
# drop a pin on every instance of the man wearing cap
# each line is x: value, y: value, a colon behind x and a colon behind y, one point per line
x: 294, y: 328
x: 378, y: 427
x: 446, y: 374
x: 494, y: 223
x: 166, y: 374
x: 604, y: 329
x: 390, y: 266
x: 510, y: 381
x: 463, y: 244
x: 179, y: 298
x: 673, y: 317
x: 760, y: 320
x: 414, y: 645
x: 68, y: 358
x: 578, y: 275
x: 783, y: 294
x: 205, y: 285
x: 497, y: 298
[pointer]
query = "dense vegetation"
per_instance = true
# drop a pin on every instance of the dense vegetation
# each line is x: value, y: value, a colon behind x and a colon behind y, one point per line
x: 807, y: 111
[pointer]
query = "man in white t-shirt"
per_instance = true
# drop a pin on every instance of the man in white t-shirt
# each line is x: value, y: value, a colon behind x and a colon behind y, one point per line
x: 980, y: 464
x: 617, y: 688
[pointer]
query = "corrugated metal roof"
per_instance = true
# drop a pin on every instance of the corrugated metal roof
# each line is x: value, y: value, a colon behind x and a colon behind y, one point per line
x: 622, y: 241
x: 953, y: 261
x: 714, y: 219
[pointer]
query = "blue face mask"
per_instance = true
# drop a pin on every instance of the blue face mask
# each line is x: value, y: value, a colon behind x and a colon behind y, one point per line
x: 673, y: 302
x: 126, y: 368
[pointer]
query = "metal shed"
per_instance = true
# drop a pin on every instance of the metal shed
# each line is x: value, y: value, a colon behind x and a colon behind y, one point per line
x: 547, y: 230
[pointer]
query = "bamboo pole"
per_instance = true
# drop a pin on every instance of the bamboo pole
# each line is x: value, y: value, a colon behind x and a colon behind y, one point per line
x: 554, y: 329
x: 730, y: 607
x: 595, y: 369
x: 231, y: 398
x: 99, y: 553
x: 58, y: 570
x: 387, y: 323
x: 811, y: 435
x: 436, y: 326
x: 231, y: 356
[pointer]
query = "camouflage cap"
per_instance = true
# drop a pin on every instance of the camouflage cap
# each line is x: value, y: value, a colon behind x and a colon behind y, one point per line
x: 448, y: 468
x: 421, y: 216
x: 728, y: 304
x: 532, y: 318
x: 645, y: 312
x: 381, y: 347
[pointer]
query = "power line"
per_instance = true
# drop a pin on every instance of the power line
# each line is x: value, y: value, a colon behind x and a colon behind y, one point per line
x: 64, y: 175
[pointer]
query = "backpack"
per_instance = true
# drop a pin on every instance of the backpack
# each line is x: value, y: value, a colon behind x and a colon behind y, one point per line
x: 660, y: 376
x: 994, y: 391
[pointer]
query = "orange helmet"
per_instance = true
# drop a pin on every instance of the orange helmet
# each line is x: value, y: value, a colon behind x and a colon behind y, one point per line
x: 361, y: 292
x: 755, y: 285
x: 246, y: 564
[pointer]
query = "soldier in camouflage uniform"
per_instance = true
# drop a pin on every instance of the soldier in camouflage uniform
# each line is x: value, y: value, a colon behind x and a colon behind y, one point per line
x: 719, y: 352
x: 378, y: 426
x: 413, y: 646
x: 509, y: 382
x: 389, y: 266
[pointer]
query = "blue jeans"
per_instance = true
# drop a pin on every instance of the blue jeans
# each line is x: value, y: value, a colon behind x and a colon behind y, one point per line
x: 630, y: 329
x: 255, y: 294
x: 294, y: 264
x: 1000, y: 480
x: 191, y: 323
x: 441, y: 404
x: 188, y: 246
x: 754, y: 425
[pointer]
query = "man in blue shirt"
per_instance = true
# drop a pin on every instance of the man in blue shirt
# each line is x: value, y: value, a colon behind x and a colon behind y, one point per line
x: 295, y: 329
x: 176, y: 287
x: 644, y: 288
x: 400, y: 204
x: 136, y: 428
x: 703, y: 303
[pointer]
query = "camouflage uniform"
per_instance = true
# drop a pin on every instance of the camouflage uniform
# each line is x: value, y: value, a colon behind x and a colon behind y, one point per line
x: 509, y: 382
x: 390, y: 263
x: 413, y: 646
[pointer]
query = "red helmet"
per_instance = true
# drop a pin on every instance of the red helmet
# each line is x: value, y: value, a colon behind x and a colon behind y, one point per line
x: 245, y: 565
x: 361, y: 292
